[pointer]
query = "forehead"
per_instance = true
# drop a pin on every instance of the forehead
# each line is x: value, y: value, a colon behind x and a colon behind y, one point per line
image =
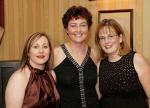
x: 107, y: 29
x: 75, y: 20
x: 40, y: 39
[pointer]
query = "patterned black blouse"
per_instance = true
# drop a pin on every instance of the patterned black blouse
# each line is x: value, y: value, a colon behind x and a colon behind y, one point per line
x: 119, y: 84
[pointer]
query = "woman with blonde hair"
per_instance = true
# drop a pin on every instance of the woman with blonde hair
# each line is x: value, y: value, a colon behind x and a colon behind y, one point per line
x: 32, y: 85
x: 124, y: 75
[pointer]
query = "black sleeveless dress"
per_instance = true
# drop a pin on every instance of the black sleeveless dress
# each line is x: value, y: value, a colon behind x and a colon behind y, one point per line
x: 76, y: 83
x: 119, y: 84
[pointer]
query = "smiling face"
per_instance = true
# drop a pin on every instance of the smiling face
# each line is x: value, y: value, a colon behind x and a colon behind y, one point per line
x: 109, y: 40
x: 39, y: 52
x: 77, y: 30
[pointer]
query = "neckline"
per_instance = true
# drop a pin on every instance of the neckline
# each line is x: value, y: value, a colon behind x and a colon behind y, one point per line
x: 68, y: 55
x: 115, y: 61
x: 36, y: 70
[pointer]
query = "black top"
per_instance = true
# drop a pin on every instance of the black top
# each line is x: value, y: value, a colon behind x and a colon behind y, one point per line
x: 76, y: 83
x: 119, y: 82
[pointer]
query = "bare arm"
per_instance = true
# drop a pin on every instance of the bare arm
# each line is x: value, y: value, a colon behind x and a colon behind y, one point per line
x: 143, y: 70
x: 97, y: 84
x: 53, y: 74
x: 15, y: 90
x: 95, y: 58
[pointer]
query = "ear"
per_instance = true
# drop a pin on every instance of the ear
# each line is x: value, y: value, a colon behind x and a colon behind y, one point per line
x: 120, y: 38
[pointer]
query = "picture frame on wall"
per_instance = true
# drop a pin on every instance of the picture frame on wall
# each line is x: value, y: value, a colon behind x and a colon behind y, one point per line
x: 123, y: 17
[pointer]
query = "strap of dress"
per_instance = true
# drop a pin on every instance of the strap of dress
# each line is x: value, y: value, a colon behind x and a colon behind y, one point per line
x: 71, y: 58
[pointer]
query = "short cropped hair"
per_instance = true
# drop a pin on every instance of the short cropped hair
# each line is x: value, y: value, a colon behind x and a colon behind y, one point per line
x: 77, y: 12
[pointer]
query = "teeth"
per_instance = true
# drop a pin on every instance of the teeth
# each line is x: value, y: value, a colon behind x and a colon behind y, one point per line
x: 108, y: 46
x: 78, y: 35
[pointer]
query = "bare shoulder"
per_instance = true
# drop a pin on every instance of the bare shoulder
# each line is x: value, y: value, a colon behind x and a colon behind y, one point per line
x: 139, y: 59
x: 58, y: 52
x: 15, y: 89
x: 56, y: 49
x: 94, y: 55
x: 17, y: 75
x: 58, y: 56
x: 141, y: 64
x: 17, y: 78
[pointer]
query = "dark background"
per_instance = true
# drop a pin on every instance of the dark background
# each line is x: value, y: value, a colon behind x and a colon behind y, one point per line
x: 6, y: 70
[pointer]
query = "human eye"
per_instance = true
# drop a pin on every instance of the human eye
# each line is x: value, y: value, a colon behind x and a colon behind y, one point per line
x: 110, y: 36
x: 101, y: 38
x: 35, y: 46
x: 45, y: 46
x: 83, y: 25
x: 72, y: 25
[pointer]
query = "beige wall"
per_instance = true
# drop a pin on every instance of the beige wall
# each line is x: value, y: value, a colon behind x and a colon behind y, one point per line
x: 146, y: 29
x: 23, y: 17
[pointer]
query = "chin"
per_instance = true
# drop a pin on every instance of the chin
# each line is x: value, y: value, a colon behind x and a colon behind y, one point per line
x: 109, y: 52
x: 42, y: 62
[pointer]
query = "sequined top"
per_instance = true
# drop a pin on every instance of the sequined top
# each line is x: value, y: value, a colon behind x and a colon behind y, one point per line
x: 119, y: 79
x: 40, y: 91
x: 76, y: 83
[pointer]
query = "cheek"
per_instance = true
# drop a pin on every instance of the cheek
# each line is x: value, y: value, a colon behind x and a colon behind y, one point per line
x: 85, y: 30
x: 118, y: 41
x: 31, y: 53
x: 47, y: 52
x: 69, y: 30
x: 101, y: 44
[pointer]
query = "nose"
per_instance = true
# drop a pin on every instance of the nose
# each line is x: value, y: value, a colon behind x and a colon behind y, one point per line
x: 106, y: 39
x: 78, y: 28
x: 41, y: 49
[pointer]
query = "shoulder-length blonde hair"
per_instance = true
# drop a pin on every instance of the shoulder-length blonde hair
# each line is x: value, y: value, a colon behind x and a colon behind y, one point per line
x: 111, y: 23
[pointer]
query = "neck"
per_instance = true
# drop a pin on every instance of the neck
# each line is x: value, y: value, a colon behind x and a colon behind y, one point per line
x: 114, y: 58
x: 41, y: 67
x: 77, y: 47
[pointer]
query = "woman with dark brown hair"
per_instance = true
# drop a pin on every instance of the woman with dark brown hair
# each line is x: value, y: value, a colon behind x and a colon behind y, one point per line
x: 32, y: 85
x: 75, y: 62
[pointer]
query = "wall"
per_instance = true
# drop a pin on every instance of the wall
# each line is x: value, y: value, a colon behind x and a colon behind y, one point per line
x: 136, y: 5
x: 146, y: 29
x: 23, y: 17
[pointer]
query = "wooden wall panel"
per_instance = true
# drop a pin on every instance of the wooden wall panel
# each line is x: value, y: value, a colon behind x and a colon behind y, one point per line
x: 23, y: 17
x: 146, y: 29
x: 2, y: 13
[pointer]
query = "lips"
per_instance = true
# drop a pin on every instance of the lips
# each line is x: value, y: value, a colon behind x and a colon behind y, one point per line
x: 78, y: 35
x: 41, y: 56
x: 108, y: 46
